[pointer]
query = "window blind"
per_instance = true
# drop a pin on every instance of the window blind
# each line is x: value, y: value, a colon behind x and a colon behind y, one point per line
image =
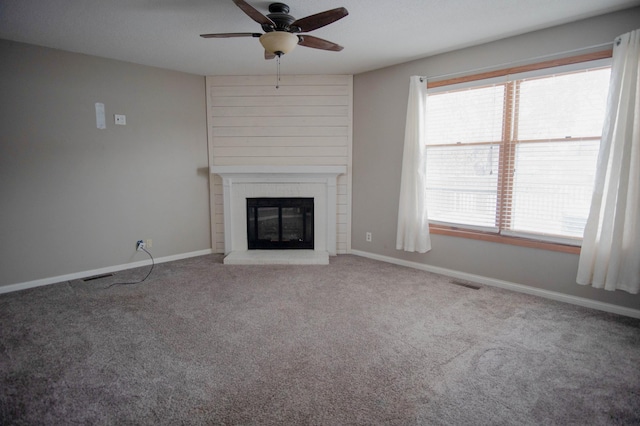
x: 517, y: 155
x: 464, y: 130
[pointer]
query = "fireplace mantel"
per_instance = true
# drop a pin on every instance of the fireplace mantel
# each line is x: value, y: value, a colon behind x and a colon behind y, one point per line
x: 244, y: 172
x: 240, y: 182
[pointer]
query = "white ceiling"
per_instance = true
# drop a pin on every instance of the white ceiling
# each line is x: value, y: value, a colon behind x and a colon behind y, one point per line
x: 165, y: 33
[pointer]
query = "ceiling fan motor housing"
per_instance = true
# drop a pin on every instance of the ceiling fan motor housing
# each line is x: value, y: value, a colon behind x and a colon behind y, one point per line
x: 279, y: 14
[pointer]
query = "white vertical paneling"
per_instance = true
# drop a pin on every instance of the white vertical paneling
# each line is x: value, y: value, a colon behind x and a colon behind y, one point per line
x: 306, y: 121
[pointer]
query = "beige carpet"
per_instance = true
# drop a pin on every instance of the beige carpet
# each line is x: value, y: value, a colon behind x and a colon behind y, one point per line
x: 357, y: 342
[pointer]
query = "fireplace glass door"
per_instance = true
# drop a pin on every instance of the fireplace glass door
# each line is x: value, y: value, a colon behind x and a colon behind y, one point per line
x: 280, y: 223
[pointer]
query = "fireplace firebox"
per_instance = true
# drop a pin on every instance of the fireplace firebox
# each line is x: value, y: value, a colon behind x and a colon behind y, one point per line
x: 279, y: 223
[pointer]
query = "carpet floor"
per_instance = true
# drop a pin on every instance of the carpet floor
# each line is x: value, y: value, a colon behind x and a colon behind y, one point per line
x: 357, y: 342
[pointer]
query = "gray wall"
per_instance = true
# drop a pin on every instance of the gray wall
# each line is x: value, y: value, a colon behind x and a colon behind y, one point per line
x: 380, y: 103
x: 74, y: 198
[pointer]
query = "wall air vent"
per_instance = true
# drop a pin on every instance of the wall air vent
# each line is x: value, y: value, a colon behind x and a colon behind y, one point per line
x: 465, y: 284
x: 97, y: 277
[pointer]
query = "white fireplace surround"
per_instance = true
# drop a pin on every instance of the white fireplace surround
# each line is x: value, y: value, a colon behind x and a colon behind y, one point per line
x: 242, y: 182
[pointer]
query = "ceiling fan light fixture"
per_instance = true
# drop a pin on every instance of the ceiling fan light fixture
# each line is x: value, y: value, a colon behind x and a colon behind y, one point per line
x: 279, y: 42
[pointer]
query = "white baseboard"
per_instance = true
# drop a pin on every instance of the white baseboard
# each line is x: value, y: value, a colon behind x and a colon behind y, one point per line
x: 109, y: 269
x: 553, y: 295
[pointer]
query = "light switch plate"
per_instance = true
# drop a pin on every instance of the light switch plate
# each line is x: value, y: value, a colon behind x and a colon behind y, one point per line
x: 120, y: 119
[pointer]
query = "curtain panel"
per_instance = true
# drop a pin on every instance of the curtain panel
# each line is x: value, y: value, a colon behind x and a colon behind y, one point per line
x: 413, y: 225
x: 610, y: 255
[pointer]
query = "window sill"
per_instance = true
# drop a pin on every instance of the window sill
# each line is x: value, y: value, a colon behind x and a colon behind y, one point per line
x: 501, y: 239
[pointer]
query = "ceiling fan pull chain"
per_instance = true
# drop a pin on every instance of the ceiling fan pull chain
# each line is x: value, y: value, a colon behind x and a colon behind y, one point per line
x: 278, y: 76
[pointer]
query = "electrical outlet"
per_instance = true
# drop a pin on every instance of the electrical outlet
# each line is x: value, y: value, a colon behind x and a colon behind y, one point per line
x: 368, y: 237
x: 149, y: 243
x: 139, y: 245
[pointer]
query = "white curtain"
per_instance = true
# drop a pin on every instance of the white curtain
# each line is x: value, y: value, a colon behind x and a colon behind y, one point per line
x: 610, y: 255
x: 413, y: 226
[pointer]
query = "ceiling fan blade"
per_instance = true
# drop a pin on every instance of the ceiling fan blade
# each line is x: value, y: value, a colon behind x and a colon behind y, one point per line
x: 268, y: 55
x: 319, y: 20
x: 254, y: 14
x: 229, y: 35
x: 318, y: 43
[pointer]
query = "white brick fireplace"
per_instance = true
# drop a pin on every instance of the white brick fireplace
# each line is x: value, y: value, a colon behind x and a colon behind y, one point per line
x: 242, y: 182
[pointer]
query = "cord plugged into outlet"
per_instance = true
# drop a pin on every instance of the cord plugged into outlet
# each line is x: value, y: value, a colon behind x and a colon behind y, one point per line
x: 140, y: 246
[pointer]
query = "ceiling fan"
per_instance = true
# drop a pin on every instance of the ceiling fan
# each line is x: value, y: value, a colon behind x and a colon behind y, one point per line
x: 282, y: 32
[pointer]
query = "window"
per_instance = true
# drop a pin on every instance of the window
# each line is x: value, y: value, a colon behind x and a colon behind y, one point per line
x: 515, y: 155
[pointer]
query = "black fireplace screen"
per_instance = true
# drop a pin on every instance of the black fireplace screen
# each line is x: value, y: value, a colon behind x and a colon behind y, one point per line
x: 280, y: 223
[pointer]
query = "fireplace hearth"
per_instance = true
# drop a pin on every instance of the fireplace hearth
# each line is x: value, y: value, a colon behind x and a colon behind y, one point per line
x: 279, y: 223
